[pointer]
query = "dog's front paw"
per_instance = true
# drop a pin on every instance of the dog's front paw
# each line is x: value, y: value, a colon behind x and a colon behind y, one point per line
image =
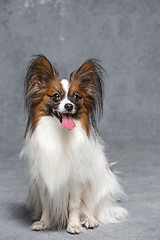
x: 39, y: 226
x: 91, y: 223
x: 74, y: 229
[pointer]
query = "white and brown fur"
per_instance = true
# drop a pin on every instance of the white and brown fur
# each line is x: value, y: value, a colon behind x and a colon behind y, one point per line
x: 71, y: 184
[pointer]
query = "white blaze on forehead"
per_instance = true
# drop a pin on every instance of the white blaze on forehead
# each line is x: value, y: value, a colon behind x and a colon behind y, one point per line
x: 65, y: 85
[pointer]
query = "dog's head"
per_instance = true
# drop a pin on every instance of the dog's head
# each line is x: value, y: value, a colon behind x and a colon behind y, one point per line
x: 78, y: 98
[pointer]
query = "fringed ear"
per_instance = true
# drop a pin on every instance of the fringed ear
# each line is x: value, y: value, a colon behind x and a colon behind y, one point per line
x: 90, y: 80
x: 39, y: 75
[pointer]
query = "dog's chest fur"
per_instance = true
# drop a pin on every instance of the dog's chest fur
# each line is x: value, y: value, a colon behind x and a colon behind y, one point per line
x: 62, y: 156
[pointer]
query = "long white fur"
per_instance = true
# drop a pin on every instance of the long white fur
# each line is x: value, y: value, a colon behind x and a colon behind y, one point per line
x: 60, y: 160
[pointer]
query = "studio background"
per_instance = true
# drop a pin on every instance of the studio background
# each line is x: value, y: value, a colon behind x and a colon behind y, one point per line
x: 125, y: 36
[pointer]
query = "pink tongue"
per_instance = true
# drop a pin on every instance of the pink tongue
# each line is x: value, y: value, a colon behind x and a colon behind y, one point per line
x: 67, y: 122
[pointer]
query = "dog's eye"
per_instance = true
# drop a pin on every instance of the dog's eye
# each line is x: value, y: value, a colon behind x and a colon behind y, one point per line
x: 56, y: 97
x: 76, y: 97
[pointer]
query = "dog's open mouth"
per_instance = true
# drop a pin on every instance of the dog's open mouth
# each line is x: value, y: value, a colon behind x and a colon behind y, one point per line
x: 65, y: 119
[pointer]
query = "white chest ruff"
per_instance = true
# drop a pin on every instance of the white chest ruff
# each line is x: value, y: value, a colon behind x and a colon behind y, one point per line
x: 59, y: 156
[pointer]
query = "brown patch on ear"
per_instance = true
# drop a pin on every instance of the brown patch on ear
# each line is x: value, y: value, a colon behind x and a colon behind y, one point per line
x: 89, y: 78
x: 39, y: 77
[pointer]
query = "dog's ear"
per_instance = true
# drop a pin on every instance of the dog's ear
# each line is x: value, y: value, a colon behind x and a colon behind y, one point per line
x: 90, y: 80
x: 40, y: 74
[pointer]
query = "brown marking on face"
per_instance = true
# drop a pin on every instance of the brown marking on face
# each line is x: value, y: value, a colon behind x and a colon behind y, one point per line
x: 41, y: 109
x: 82, y: 113
x: 42, y: 81
x: 83, y: 119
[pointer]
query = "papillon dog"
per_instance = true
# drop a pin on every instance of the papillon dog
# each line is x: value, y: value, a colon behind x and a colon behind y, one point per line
x: 71, y: 183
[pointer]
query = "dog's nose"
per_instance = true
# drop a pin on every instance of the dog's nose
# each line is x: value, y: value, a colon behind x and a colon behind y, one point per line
x: 68, y: 107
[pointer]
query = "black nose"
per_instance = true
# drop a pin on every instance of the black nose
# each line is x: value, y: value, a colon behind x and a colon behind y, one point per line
x: 68, y: 107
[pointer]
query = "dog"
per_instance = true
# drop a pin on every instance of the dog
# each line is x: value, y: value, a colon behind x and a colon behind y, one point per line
x: 71, y: 183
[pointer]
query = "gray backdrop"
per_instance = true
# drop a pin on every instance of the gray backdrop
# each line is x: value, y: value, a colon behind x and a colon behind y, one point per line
x: 125, y: 36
